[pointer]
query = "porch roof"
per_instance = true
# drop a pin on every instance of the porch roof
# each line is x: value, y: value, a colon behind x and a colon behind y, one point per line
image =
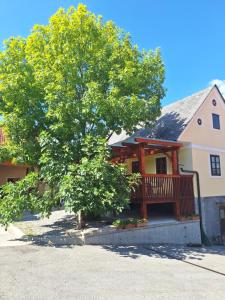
x: 131, y: 146
x: 148, y: 143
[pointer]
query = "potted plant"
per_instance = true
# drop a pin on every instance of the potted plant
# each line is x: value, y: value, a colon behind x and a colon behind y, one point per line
x: 119, y: 224
x: 124, y: 223
x: 142, y: 222
x: 131, y: 223
x: 195, y: 217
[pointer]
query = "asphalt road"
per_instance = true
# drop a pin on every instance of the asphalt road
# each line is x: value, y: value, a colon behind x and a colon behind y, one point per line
x: 95, y: 272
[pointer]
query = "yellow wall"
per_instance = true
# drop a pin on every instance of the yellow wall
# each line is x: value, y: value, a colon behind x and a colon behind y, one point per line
x: 198, y: 143
x: 203, y: 141
x: 185, y: 158
x: 205, y: 134
x: 210, y: 185
x: 11, y: 172
x: 150, y: 167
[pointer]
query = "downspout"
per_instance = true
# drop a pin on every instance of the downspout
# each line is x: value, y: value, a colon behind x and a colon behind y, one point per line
x: 204, y: 237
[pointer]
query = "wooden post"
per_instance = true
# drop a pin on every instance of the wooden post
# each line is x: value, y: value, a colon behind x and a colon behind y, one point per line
x: 144, y: 212
x: 175, y: 167
x: 175, y: 170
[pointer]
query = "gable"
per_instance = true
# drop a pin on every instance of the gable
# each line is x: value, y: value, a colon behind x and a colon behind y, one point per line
x: 172, y: 122
x: 200, y: 128
x: 176, y: 116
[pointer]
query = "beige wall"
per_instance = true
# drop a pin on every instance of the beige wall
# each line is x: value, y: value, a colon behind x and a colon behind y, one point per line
x: 210, y: 185
x: 198, y: 143
x: 185, y: 158
x: 203, y: 141
x: 150, y: 167
x: 205, y: 134
x: 11, y: 172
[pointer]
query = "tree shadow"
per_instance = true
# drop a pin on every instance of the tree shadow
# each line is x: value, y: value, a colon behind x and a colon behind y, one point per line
x: 165, y: 251
x: 168, y: 127
x: 55, y: 234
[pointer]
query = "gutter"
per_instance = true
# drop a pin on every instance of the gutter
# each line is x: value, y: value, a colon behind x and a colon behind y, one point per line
x: 204, y: 237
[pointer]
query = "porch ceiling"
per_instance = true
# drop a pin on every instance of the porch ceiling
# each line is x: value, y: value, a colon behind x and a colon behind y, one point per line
x: 131, y: 147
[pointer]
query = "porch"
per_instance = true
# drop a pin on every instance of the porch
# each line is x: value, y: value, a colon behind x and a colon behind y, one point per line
x: 161, y: 188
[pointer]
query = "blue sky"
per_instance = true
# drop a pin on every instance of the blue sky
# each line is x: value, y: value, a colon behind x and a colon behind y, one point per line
x: 189, y: 33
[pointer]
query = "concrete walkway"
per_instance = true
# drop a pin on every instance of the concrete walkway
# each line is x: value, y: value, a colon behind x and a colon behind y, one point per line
x: 11, y: 237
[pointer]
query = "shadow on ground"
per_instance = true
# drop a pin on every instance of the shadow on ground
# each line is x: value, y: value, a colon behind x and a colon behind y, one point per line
x: 60, y: 234
x: 166, y: 251
x: 55, y: 234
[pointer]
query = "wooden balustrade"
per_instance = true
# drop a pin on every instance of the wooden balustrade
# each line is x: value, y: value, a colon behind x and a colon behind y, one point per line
x: 163, y: 188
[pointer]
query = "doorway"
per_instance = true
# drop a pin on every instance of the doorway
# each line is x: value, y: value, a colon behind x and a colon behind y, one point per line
x: 160, y: 211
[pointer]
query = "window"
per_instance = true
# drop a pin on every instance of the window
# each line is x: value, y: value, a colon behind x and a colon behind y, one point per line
x: 135, y: 167
x: 215, y: 165
x: 13, y: 179
x: 214, y: 102
x: 216, y: 121
x: 199, y: 121
x: 161, y: 167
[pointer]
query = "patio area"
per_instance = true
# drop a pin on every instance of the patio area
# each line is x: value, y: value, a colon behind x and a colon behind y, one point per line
x: 162, y: 187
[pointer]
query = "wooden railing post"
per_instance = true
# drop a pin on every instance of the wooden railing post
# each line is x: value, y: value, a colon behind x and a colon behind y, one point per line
x: 161, y: 188
x: 144, y: 212
x: 175, y: 168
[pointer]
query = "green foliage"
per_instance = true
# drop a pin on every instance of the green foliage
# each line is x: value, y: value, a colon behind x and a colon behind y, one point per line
x: 99, y: 186
x: 121, y: 223
x: 15, y: 198
x: 64, y: 90
x: 73, y: 77
x: 93, y: 185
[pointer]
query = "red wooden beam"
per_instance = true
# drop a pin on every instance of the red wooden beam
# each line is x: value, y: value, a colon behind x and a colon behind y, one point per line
x: 144, y: 212
x: 158, y: 142
x: 175, y: 167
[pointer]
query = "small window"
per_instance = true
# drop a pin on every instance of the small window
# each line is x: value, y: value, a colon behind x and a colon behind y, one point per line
x: 199, y: 121
x: 161, y: 167
x: 216, y: 121
x: 214, y: 102
x: 215, y: 165
x: 135, y: 167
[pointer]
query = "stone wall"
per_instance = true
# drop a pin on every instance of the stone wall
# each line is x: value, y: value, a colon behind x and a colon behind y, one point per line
x: 210, y: 215
x: 187, y: 232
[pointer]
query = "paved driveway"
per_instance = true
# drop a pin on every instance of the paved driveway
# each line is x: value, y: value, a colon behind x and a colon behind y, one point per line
x: 10, y: 238
x: 110, y: 272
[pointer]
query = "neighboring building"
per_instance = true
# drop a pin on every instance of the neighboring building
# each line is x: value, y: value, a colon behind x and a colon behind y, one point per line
x: 190, y: 134
x: 10, y: 172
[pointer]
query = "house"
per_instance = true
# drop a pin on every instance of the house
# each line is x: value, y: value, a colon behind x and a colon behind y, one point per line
x: 190, y: 136
x: 188, y: 139
x: 10, y: 172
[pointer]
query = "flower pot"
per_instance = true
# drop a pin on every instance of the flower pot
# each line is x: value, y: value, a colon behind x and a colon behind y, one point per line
x: 120, y: 227
x: 128, y: 226
x: 142, y: 224
x: 195, y: 218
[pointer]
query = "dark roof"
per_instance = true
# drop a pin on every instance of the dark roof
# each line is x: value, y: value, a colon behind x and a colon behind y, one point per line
x: 173, y: 120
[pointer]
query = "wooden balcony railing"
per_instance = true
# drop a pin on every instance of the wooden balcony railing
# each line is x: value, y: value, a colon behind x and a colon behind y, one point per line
x: 160, y: 188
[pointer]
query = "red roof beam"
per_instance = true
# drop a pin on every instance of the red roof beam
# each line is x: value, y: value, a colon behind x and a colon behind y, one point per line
x: 158, y: 142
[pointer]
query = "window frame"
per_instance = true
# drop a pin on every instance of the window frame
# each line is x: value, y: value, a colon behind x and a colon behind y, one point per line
x: 215, y: 161
x: 216, y: 121
x: 135, y: 166
x: 160, y: 169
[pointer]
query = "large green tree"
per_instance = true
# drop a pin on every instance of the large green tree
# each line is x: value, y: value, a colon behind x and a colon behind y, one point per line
x: 76, y: 79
